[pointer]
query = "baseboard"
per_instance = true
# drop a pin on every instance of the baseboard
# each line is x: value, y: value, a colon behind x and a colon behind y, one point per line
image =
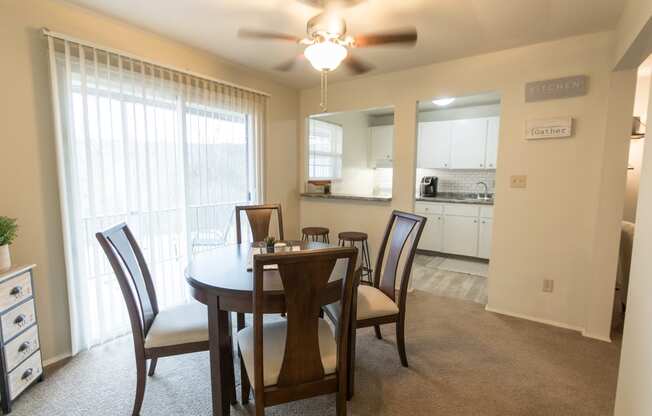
x: 595, y: 336
x: 55, y: 359
x: 534, y: 319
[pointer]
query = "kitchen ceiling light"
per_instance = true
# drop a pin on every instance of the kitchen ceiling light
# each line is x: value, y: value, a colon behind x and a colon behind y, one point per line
x: 326, y: 55
x: 443, y: 102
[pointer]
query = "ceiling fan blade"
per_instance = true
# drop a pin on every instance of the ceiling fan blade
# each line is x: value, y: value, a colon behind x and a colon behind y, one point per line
x: 260, y: 34
x: 357, y: 66
x: 406, y: 36
x: 289, y: 64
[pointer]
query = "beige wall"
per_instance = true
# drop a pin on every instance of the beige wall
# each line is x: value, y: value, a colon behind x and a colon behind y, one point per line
x: 636, y: 147
x: 546, y: 231
x: 28, y: 168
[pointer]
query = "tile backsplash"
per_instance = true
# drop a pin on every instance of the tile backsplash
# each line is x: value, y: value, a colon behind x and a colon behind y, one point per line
x: 459, y: 181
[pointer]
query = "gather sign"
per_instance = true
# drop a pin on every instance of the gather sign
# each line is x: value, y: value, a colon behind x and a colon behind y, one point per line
x: 557, y: 127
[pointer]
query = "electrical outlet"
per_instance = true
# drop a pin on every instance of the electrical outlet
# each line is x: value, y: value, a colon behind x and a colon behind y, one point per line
x: 518, y: 181
x: 548, y: 285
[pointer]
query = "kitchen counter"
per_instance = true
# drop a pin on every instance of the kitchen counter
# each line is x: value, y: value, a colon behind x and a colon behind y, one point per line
x: 457, y: 198
x: 368, y: 198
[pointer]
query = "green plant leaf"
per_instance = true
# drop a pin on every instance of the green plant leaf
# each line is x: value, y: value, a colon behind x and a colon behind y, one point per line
x: 8, y: 230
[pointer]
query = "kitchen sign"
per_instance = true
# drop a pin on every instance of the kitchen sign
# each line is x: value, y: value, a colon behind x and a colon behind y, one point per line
x: 549, y: 128
x: 552, y: 89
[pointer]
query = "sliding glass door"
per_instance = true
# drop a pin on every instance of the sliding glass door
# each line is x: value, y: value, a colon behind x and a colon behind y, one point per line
x: 220, y: 154
x: 169, y: 154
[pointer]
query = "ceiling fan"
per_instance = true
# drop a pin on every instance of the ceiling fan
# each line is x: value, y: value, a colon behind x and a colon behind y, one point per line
x: 328, y: 45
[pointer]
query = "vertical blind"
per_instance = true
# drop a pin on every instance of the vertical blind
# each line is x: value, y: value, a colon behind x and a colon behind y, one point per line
x: 167, y: 152
x: 325, y: 149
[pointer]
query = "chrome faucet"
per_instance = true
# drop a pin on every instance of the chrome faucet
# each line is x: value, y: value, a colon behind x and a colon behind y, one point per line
x: 485, y: 194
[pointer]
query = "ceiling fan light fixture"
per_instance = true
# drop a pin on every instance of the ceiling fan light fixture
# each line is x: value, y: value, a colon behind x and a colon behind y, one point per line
x: 443, y: 102
x: 326, y: 55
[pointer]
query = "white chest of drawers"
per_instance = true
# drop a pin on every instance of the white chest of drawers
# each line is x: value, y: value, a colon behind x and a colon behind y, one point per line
x: 20, y: 355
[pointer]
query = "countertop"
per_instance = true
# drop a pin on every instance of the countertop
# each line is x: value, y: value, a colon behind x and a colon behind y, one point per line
x: 457, y: 198
x: 368, y: 198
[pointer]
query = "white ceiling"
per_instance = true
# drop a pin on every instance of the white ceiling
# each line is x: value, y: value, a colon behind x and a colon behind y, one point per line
x: 448, y: 29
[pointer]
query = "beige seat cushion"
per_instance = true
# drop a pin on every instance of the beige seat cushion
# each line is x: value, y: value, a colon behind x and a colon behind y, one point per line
x: 179, y: 325
x: 274, y: 335
x: 372, y: 303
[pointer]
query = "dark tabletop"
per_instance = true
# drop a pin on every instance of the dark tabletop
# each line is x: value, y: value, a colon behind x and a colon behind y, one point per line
x: 223, y: 271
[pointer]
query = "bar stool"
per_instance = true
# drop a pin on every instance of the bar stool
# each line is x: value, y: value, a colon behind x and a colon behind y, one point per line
x: 353, y: 237
x: 315, y: 234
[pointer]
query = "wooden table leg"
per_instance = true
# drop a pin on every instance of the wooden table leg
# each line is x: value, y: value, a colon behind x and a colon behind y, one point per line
x: 218, y: 337
x: 226, y: 346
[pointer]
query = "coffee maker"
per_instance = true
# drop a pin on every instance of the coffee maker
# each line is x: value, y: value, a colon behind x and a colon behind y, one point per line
x: 429, y: 186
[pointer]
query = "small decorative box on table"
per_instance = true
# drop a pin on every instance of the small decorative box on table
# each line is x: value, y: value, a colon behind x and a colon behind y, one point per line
x: 20, y: 354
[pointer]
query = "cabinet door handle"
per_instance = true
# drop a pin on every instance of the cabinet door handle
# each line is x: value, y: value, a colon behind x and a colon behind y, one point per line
x: 24, y: 346
x: 27, y: 374
x: 15, y: 291
x: 19, y: 319
x: 475, y: 221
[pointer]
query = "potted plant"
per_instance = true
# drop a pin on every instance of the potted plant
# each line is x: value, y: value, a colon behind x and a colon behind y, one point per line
x: 8, y: 228
x: 269, y: 243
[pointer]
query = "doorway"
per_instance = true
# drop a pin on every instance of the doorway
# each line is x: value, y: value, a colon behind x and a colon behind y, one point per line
x: 457, y: 148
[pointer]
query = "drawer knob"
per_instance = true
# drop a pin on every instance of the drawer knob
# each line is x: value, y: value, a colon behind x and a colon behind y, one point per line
x: 24, y: 346
x: 19, y: 319
x: 28, y: 373
x: 17, y: 290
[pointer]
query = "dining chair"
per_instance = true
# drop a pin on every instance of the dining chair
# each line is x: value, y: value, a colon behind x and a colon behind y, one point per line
x: 378, y: 304
x: 300, y: 357
x: 259, y: 217
x: 156, y: 334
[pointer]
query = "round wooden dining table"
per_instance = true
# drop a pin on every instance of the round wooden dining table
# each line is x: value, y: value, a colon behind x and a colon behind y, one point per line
x: 222, y: 279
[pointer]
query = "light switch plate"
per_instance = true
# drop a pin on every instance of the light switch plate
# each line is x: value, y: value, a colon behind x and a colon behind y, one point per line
x: 518, y: 181
x: 548, y: 285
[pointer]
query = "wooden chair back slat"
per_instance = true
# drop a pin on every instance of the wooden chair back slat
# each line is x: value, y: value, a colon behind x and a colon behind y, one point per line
x: 302, y: 284
x: 405, y: 230
x: 306, y: 280
x: 134, y: 278
x: 259, y: 217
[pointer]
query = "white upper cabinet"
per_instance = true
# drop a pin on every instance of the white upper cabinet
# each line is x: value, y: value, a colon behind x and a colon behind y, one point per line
x: 458, y: 144
x: 382, y: 143
x: 469, y: 141
x: 492, y: 142
x: 434, y: 145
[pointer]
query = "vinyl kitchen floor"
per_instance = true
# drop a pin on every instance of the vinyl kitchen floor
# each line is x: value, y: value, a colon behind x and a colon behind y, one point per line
x: 450, y: 278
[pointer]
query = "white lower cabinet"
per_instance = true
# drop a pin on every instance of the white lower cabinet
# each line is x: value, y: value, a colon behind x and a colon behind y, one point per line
x: 460, y: 235
x: 432, y: 237
x: 462, y: 229
x: 484, y: 238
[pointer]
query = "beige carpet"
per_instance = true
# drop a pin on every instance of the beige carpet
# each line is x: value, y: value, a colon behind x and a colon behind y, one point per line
x: 463, y: 361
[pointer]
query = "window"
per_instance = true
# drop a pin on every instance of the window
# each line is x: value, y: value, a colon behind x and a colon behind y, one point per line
x: 165, y: 152
x: 325, y: 148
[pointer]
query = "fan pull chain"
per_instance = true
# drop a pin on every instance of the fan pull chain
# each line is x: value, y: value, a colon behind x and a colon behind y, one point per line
x: 324, y: 91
